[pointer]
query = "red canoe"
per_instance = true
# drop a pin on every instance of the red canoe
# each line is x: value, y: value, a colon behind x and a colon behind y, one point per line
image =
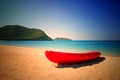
x: 67, y: 58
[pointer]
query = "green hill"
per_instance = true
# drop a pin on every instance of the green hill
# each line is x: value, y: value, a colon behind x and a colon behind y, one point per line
x: 17, y: 32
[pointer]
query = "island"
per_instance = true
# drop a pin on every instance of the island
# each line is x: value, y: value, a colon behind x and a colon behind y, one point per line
x: 61, y: 38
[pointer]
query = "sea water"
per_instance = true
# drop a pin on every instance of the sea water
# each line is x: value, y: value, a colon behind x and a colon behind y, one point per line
x: 105, y: 47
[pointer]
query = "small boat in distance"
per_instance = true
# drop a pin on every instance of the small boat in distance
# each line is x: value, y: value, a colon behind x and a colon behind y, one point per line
x: 68, y: 58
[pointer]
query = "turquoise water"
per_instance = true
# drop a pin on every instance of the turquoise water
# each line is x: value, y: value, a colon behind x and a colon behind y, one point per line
x: 106, y: 47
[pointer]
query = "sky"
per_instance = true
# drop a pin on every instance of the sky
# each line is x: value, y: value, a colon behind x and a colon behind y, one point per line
x: 75, y: 19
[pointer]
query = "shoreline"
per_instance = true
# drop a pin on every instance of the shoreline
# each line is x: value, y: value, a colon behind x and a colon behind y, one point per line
x: 64, y: 50
x: 23, y: 63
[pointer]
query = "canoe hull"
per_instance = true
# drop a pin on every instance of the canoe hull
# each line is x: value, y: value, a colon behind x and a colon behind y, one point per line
x: 67, y: 58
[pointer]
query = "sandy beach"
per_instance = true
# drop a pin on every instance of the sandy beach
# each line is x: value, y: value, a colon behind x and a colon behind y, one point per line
x: 21, y: 63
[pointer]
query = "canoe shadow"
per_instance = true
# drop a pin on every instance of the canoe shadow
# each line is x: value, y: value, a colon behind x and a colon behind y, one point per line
x: 81, y: 64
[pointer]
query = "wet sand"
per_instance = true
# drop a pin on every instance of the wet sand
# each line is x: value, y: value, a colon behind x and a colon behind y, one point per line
x: 21, y: 63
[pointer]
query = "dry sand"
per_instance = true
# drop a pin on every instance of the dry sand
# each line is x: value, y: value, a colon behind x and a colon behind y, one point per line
x: 21, y: 63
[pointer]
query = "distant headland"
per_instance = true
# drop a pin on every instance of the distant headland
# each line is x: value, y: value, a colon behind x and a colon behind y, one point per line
x: 18, y: 32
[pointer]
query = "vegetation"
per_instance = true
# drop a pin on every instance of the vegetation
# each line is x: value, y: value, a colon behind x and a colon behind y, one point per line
x: 17, y: 32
